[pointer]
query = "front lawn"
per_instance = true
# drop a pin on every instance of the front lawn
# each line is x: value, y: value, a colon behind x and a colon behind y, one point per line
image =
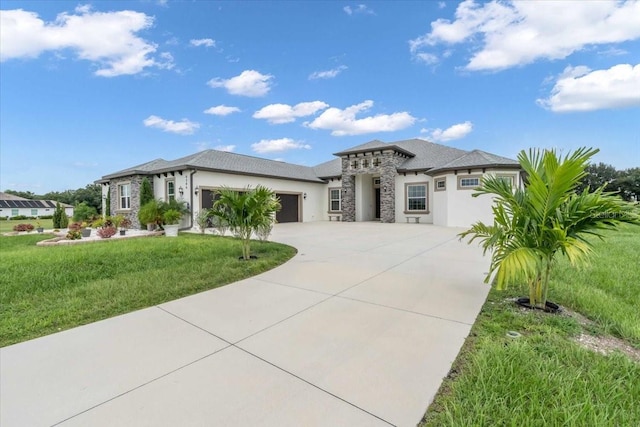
x: 6, y: 225
x: 49, y: 289
x: 551, y: 375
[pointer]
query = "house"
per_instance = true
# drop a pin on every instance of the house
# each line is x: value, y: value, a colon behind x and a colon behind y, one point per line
x: 412, y: 180
x: 11, y: 205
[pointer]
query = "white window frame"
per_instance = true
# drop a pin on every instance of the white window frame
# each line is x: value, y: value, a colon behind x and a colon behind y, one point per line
x: 465, y: 186
x: 507, y: 176
x: 168, y: 194
x: 15, y: 212
x: 34, y: 212
x: 337, y: 190
x: 124, y: 197
x: 407, y: 198
x: 437, y: 182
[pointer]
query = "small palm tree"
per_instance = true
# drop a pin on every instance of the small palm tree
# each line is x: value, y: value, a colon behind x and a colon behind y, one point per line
x: 546, y: 217
x: 247, y: 212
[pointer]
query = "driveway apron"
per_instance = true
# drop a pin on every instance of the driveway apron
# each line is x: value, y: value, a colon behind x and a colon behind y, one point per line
x: 358, y: 329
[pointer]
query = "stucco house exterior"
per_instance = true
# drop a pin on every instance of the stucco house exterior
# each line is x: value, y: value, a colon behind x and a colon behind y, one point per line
x: 11, y: 206
x: 411, y: 180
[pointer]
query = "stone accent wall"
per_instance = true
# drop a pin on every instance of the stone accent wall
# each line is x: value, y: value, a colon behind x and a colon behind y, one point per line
x: 388, y: 173
x: 348, y: 197
x: 136, y: 185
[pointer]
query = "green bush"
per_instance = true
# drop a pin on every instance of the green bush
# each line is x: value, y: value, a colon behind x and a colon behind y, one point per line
x: 84, y: 212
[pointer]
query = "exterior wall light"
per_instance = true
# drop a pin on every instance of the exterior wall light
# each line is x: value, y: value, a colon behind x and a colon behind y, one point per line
x: 181, y: 191
x: 195, y: 190
x: 304, y: 196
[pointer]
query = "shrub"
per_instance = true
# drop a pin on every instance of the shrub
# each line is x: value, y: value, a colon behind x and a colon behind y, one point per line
x: 23, y: 227
x: 172, y: 216
x: 106, y: 232
x: 146, y: 192
x: 84, y: 212
x: 60, y: 219
x: 202, y: 219
x: 98, y: 223
x: 74, y: 235
x: 75, y: 226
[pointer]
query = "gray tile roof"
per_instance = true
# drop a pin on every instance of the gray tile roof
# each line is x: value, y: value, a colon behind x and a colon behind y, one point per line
x: 329, y: 169
x: 476, y: 158
x: 222, y: 161
x: 423, y: 156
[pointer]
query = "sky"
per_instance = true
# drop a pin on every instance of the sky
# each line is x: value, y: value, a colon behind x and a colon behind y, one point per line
x: 91, y: 88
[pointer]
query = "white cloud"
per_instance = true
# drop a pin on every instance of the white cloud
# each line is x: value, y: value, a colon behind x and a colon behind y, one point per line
x: 361, y: 8
x: 512, y: 33
x: 248, y: 83
x: 184, y: 127
x: 442, y: 5
x: 456, y: 131
x: 221, y: 110
x: 283, y: 113
x: 328, y: 74
x: 228, y: 148
x: 275, y: 145
x: 107, y: 39
x: 580, y: 89
x: 344, y: 122
x: 203, y: 42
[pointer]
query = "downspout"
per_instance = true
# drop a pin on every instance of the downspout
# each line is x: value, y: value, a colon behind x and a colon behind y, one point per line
x: 191, y: 197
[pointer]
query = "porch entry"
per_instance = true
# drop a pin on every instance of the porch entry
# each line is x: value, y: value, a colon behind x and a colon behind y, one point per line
x: 376, y: 199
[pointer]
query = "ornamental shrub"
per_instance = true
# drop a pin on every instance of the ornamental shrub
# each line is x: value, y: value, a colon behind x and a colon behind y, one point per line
x: 106, y: 232
x: 23, y: 227
x: 146, y: 192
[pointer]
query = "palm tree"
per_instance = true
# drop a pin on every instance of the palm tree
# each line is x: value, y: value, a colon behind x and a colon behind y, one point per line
x: 247, y: 212
x: 546, y: 217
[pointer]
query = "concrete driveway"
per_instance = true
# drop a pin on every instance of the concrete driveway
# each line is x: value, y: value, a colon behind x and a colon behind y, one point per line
x: 358, y: 329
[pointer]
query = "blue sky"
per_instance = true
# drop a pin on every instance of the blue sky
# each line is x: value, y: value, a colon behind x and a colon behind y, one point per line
x: 89, y: 88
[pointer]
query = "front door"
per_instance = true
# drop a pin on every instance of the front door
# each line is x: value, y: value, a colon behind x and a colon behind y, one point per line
x: 377, y: 202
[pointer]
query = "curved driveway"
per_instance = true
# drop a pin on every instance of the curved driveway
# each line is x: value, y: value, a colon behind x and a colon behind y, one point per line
x: 358, y: 329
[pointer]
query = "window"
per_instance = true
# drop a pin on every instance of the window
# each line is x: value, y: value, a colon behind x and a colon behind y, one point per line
x: 416, y: 197
x: 171, y: 190
x: 440, y: 184
x: 376, y: 182
x: 468, y: 182
x: 355, y: 164
x: 15, y: 212
x: 124, y: 194
x: 509, y: 179
x: 34, y: 212
x: 365, y: 163
x: 335, y: 199
x: 376, y: 162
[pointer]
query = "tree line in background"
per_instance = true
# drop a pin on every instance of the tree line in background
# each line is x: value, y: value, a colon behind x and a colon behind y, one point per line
x: 625, y: 182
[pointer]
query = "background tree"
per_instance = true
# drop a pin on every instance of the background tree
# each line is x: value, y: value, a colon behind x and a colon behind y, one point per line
x: 533, y: 224
x: 83, y: 212
x: 628, y: 184
x: 246, y: 212
x: 23, y: 194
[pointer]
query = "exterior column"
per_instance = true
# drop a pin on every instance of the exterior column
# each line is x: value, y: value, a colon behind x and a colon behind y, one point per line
x: 348, y: 198
x: 388, y: 174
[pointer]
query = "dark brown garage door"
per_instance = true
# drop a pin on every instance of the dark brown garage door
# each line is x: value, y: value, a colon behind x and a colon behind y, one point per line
x: 289, y: 211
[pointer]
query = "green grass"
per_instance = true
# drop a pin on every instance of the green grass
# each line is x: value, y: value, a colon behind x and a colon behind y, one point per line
x: 7, y: 225
x: 48, y: 289
x: 545, y: 378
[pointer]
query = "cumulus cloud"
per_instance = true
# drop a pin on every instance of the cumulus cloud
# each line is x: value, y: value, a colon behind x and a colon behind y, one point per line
x: 228, y: 148
x: 283, y: 113
x: 107, y: 39
x: 512, y: 33
x: 328, y: 74
x: 276, y: 145
x: 184, y: 127
x: 456, y: 131
x: 203, y: 42
x: 581, y: 89
x: 221, y: 110
x: 249, y: 83
x: 344, y: 122
x: 361, y: 8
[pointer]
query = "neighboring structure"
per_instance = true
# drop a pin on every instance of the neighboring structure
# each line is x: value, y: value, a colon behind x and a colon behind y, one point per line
x: 412, y: 180
x: 11, y: 206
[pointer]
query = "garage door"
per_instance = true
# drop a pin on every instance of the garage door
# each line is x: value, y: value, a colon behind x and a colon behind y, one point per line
x: 289, y: 211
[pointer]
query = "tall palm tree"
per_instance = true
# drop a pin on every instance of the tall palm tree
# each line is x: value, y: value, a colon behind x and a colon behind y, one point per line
x: 546, y: 217
x: 246, y: 212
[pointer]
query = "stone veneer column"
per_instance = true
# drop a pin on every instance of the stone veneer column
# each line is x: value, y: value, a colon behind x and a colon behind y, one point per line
x: 136, y: 186
x: 348, y: 197
x: 388, y: 173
